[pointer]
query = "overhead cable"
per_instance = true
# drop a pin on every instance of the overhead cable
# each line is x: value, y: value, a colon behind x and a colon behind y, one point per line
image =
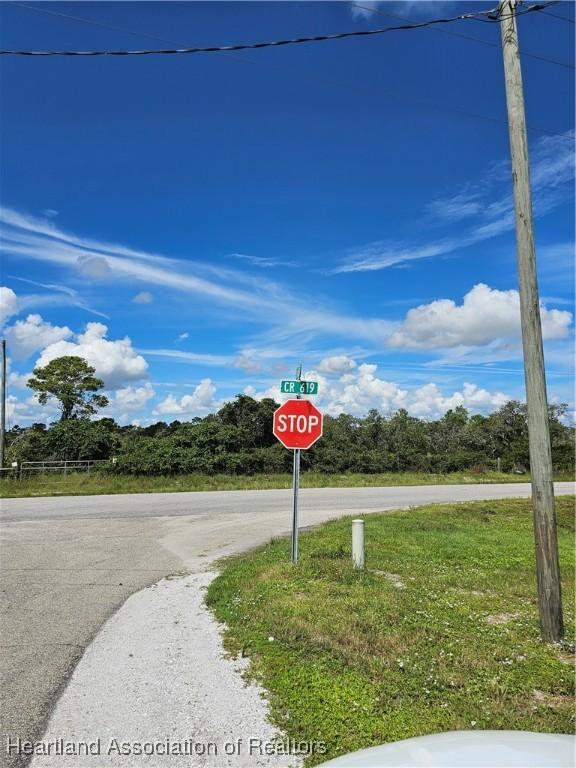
x: 113, y: 28
x: 557, y: 16
x: 490, y: 15
x: 451, y: 32
x: 327, y: 81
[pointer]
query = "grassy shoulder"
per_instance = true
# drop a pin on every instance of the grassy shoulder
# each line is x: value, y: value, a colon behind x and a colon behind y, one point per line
x: 439, y: 633
x: 87, y: 484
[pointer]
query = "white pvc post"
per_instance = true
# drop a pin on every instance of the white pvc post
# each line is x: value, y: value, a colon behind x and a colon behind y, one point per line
x: 358, y: 544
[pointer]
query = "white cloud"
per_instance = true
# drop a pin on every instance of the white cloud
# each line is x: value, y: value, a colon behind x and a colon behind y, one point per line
x: 183, y: 336
x: 365, y: 9
x: 57, y: 296
x: 8, y: 304
x: 428, y: 401
x: 337, y: 364
x: 382, y: 254
x: 365, y: 12
x: 265, y: 262
x: 133, y: 398
x: 361, y: 389
x: 199, y: 403
x: 180, y: 356
x: 487, y: 205
x: 271, y: 392
x: 485, y: 315
x: 169, y: 405
x: 93, y: 266
x: 247, y: 364
x: 144, y: 297
x: 552, y: 170
x: 116, y: 362
x: 40, y: 239
x: 28, y: 411
x: 288, y: 314
x: 250, y: 359
x: 18, y: 380
x: 33, y: 334
x: 461, y: 206
x: 50, y: 286
x: 15, y: 408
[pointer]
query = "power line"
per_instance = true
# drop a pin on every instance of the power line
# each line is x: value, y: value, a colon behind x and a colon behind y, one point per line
x: 497, y: 15
x: 464, y: 37
x: 90, y: 21
x: 113, y: 28
x: 403, y: 18
x: 309, y: 76
x: 274, y: 43
x: 557, y: 16
x: 325, y: 81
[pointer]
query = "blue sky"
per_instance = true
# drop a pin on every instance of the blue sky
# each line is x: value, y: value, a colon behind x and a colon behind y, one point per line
x: 197, y: 226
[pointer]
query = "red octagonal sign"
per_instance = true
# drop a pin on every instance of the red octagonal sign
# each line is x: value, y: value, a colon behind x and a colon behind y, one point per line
x: 297, y: 424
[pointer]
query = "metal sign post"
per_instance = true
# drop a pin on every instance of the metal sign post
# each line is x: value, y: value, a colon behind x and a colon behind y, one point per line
x: 296, y: 488
x: 297, y: 424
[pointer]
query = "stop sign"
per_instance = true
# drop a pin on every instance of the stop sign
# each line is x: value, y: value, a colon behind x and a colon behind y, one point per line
x: 297, y: 424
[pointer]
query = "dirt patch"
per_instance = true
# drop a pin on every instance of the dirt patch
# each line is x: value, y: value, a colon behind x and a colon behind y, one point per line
x: 556, y: 701
x: 566, y: 657
x: 500, y: 618
x: 393, y: 578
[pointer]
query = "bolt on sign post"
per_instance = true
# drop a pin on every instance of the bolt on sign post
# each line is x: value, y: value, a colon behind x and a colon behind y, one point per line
x: 298, y: 425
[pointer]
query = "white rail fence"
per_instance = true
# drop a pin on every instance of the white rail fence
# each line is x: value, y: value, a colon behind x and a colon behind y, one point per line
x: 34, y: 468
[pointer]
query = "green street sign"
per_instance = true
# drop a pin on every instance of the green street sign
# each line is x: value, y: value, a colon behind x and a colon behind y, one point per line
x: 299, y: 388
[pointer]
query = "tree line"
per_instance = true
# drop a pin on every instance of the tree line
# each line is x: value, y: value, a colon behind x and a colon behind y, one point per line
x: 238, y: 438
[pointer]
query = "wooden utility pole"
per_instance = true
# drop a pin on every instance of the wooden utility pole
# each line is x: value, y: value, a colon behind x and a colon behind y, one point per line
x: 3, y: 405
x: 547, y: 563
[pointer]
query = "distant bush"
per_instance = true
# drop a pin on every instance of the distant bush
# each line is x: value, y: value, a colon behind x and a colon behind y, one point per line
x: 238, y: 440
x: 69, y: 440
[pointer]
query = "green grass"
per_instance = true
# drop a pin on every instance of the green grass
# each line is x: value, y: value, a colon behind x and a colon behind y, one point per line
x: 83, y: 484
x: 439, y: 633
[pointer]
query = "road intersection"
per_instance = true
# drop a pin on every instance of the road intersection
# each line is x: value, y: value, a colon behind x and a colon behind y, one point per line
x: 69, y: 563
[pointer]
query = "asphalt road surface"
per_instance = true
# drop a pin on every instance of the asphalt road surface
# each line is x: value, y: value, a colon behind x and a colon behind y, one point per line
x: 210, y: 503
x: 68, y: 563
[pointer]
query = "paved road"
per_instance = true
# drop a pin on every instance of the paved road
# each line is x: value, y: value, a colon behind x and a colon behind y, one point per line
x: 337, y: 500
x: 68, y: 563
